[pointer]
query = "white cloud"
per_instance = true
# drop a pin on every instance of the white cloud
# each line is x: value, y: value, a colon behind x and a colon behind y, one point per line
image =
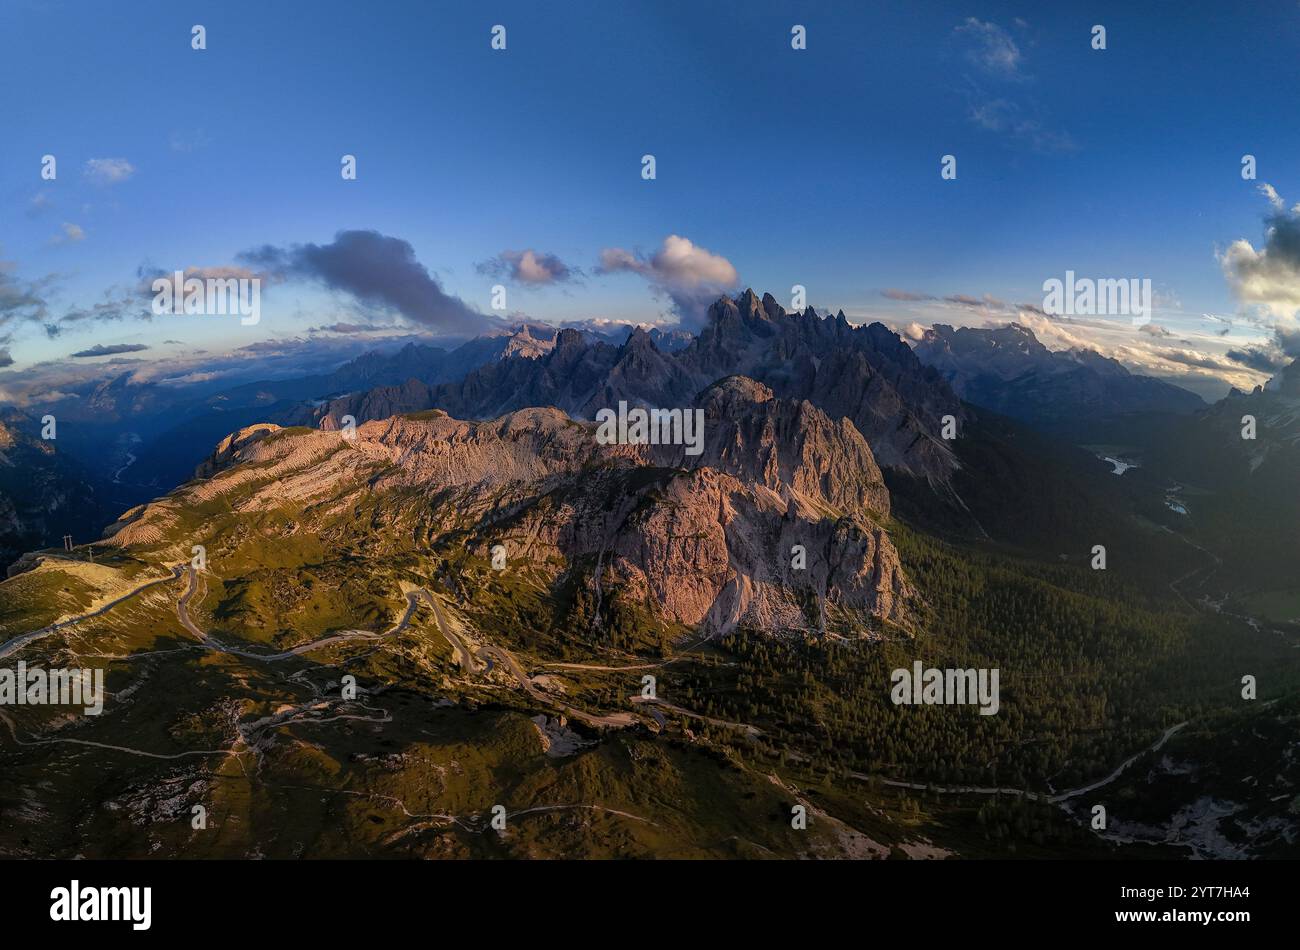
x: 691, y: 276
x: 109, y: 171
x: 72, y: 233
x: 992, y: 49
x: 1200, y: 359
x: 39, y: 204
x: 1266, y: 281
x: 1269, y: 192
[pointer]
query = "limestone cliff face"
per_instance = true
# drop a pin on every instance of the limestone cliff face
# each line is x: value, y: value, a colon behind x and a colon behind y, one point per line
x: 228, y: 449
x: 791, y: 445
x: 715, y: 551
x: 709, y: 540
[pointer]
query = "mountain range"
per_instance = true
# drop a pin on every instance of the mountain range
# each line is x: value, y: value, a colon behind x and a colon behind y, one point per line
x: 128, y: 441
x: 866, y: 374
x: 1008, y: 370
x: 650, y: 647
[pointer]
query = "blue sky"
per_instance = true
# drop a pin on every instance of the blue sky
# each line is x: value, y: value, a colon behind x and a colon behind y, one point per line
x: 817, y: 167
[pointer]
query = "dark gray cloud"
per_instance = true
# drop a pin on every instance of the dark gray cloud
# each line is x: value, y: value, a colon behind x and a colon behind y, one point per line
x: 375, y: 269
x: 117, y: 305
x: 1266, y: 359
x: 352, y: 329
x: 985, y: 304
x: 271, y: 346
x: 1288, y: 341
x: 100, y: 350
x: 1199, y: 359
x: 22, y: 300
x: 529, y: 267
x: 977, y: 303
x: 5, y: 358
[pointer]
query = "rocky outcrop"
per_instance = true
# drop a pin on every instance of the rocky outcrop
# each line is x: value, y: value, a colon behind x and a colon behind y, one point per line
x: 717, y: 552
x: 229, y: 448
x: 775, y: 525
x: 789, y: 445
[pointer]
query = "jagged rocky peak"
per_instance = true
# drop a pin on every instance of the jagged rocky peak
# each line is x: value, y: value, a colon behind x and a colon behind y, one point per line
x: 525, y: 343
x: 746, y: 311
x: 773, y: 309
x: 1287, y: 380
x: 639, y: 340
x: 1006, y: 351
x: 790, y: 445
x: 229, y: 449
x: 640, y: 359
x: 866, y: 373
x: 733, y: 390
x: 569, y: 338
x: 1014, y: 335
x: 435, y: 449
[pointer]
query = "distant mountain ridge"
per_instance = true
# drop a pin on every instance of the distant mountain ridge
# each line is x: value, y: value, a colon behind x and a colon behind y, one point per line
x: 43, y: 494
x: 1007, y: 369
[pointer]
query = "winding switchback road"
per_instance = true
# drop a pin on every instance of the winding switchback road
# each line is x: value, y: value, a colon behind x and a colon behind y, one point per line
x: 17, y: 643
x: 614, y: 720
x: 463, y: 655
x: 1020, y: 792
x: 182, y: 613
